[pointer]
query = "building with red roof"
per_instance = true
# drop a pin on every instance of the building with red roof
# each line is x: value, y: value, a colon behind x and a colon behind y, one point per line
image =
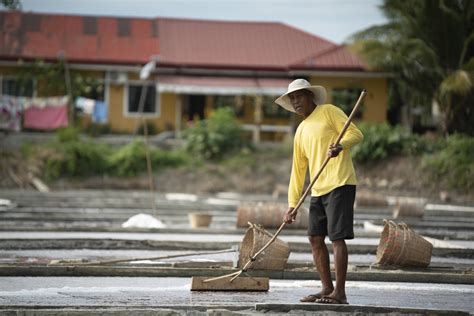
x: 199, y: 65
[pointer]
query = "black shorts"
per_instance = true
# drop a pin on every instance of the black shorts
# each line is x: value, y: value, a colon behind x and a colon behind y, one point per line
x: 332, y: 214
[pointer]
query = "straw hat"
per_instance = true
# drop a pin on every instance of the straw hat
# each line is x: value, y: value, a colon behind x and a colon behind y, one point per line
x: 299, y: 84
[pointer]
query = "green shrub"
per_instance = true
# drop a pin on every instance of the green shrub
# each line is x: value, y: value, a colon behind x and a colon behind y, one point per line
x: 67, y: 134
x: 382, y: 140
x: 221, y: 134
x: 130, y: 160
x: 151, y: 129
x: 453, y: 164
x: 76, y: 159
x: 95, y: 129
x: 67, y: 155
x: 165, y: 158
x: 27, y: 149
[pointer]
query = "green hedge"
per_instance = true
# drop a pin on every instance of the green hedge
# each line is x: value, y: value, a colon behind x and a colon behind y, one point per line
x: 382, y: 141
x: 76, y: 159
x: 130, y: 159
x: 69, y: 156
x: 453, y: 164
x: 216, y: 137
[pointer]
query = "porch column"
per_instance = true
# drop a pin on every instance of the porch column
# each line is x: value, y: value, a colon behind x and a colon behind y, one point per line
x: 178, y: 114
x: 258, y: 114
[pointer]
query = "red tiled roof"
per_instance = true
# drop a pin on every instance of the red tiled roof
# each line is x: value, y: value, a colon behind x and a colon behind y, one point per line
x: 42, y: 36
x: 237, y: 44
x: 178, y: 42
x: 337, y: 57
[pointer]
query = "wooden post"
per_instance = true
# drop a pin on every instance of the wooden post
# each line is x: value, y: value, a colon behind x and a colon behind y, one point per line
x: 179, y: 114
x: 258, y: 118
x: 151, y: 184
x: 67, y: 79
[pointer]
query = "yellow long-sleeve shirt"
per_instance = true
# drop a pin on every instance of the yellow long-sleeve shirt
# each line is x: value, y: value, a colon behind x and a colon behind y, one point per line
x: 311, y: 143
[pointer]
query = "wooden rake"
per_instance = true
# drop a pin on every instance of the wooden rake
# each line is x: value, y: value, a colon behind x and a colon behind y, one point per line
x: 249, y: 263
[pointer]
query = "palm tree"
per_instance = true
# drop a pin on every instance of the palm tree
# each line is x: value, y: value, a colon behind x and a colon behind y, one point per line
x: 11, y: 4
x: 429, y: 46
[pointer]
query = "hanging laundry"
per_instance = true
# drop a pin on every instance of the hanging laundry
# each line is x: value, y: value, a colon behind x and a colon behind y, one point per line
x: 10, y: 113
x: 85, y: 105
x: 101, y: 112
x: 45, y: 113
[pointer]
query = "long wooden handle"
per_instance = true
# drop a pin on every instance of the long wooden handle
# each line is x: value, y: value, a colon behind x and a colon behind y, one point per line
x: 301, y: 200
x: 154, y: 258
x: 351, y: 116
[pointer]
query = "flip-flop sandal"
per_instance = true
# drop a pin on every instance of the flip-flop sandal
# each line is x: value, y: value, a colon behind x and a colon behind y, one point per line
x: 311, y: 298
x: 330, y: 300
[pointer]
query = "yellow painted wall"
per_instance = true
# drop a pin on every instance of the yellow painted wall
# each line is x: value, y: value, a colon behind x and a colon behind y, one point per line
x: 249, y: 112
x: 8, y: 71
x: 249, y: 117
x: 375, y: 103
x: 119, y: 122
x: 168, y: 109
x: 116, y: 120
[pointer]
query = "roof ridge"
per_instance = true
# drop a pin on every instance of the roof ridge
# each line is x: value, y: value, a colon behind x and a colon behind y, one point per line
x: 308, y: 33
x: 203, y: 20
x: 56, y: 14
x: 216, y: 20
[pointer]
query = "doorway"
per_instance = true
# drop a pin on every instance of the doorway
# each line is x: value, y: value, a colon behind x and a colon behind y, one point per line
x: 194, y: 107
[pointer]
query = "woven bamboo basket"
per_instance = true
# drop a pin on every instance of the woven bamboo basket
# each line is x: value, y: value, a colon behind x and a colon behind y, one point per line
x: 401, y: 246
x: 197, y: 219
x: 269, y: 214
x: 274, y: 257
x: 409, y: 208
x: 368, y: 198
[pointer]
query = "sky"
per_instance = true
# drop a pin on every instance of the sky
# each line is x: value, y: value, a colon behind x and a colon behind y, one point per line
x: 334, y: 20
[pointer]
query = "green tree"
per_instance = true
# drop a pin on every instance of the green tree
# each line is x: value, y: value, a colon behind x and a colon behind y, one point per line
x: 12, y: 4
x: 429, y: 46
x: 52, y: 79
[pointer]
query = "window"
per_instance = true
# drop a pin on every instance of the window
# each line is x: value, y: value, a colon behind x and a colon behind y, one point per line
x: 234, y: 102
x: 94, y: 91
x: 134, y: 94
x: 273, y: 110
x: 346, y: 99
x: 17, y: 88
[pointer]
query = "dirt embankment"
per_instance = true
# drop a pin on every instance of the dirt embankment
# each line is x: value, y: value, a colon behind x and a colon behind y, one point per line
x: 400, y: 176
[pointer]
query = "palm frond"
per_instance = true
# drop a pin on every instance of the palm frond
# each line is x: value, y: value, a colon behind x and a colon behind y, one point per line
x: 459, y: 82
x: 469, y: 66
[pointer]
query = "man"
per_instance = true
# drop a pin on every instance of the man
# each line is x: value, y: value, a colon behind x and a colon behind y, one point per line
x: 332, y: 196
